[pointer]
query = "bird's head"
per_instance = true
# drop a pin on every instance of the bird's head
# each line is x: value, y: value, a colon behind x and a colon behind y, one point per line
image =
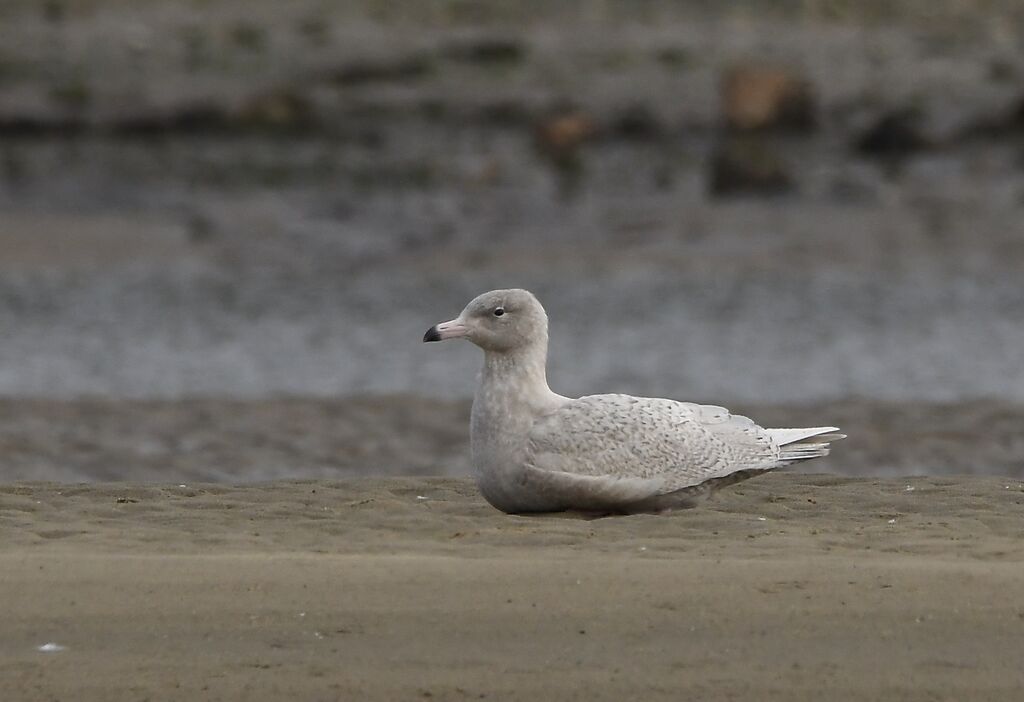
x: 498, y: 321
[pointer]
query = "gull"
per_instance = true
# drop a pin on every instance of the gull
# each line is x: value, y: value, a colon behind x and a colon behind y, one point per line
x: 534, y: 450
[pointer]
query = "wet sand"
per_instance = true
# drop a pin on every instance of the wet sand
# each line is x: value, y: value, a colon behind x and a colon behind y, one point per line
x: 788, y: 587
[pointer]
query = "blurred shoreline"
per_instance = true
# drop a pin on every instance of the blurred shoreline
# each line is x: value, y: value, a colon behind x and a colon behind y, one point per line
x: 240, y: 442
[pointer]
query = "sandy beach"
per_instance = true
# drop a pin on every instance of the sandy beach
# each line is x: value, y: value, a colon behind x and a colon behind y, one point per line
x: 788, y: 587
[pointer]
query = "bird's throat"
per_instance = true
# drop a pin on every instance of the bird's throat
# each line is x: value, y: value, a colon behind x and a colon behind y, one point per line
x: 520, y: 374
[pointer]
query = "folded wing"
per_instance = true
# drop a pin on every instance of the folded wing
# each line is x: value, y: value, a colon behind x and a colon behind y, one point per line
x: 670, y: 445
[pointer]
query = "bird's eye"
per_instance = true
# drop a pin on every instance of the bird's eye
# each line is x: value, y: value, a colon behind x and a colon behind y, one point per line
x: 499, y: 311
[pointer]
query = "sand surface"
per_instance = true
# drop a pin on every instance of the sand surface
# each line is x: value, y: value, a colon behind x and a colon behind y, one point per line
x: 789, y: 587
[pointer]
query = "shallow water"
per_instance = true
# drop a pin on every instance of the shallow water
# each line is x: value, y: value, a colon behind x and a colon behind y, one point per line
x: 252, y: 267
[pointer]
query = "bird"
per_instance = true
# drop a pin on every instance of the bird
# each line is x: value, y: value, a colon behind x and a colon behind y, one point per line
x: 534, y: 450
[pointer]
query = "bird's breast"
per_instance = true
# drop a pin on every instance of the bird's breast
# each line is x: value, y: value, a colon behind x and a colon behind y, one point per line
x: 499, y: 431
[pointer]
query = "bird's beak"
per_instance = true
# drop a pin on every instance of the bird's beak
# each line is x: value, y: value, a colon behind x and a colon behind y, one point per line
x: 454, y: 329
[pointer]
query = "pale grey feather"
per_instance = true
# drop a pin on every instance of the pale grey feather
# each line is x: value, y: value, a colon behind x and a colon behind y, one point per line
x: 672, y: 444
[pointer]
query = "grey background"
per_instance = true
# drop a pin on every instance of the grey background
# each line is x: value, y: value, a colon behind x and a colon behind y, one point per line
x: 244, y: 202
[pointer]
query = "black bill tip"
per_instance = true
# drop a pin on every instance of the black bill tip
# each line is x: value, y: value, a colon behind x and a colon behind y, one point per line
x: 432, y: 334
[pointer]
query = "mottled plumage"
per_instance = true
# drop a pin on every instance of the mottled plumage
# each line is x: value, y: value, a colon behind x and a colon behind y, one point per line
x: 535, y: 450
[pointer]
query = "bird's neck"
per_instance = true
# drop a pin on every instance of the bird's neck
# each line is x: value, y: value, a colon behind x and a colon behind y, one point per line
x: 518, y: 375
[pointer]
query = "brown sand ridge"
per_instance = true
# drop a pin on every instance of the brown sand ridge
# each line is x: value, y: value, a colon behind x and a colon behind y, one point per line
x: 788, y: 587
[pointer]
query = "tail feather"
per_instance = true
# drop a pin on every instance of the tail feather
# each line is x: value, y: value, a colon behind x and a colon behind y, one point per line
x: 804, y: 444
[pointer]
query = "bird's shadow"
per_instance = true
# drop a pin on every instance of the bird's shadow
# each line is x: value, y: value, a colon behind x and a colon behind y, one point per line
x: 574, y: 514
